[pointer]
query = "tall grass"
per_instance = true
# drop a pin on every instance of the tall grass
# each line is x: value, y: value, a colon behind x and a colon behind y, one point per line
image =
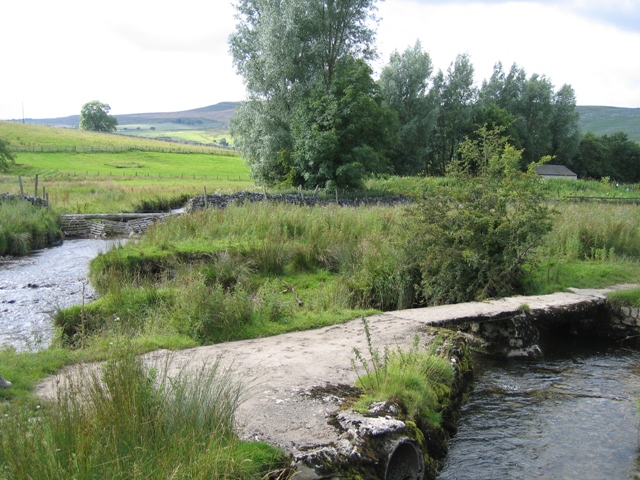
x: 24, y: 227
x: 590, y: 246
x: 218, y: 275
x: 595, y: 232
x: 132, y: 421
x: 419, y: 378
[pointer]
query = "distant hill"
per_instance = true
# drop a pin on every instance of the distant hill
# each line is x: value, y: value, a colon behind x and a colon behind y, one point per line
x: 212, y: 117
x: 600, y: 120
x: 608, y: 120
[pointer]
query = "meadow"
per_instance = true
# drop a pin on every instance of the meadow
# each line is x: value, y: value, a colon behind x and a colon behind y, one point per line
x: 243, y: 272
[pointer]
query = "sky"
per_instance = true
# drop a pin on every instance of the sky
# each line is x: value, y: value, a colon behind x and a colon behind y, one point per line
x: 143, y: 56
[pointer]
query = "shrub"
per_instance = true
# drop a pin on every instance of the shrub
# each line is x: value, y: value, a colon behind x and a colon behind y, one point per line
x: 472, y: 242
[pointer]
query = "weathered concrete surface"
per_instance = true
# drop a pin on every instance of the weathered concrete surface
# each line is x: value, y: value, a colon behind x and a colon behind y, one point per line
x: 284, y: 406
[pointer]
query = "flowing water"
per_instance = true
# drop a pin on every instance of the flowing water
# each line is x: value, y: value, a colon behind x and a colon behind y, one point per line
x: 571, y: 415
x: 32, y: 289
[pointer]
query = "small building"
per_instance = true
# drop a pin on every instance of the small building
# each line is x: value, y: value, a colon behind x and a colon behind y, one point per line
x: 555, y: 171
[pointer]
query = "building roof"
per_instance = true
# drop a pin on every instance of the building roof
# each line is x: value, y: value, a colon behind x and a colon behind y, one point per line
x: 554, y: 171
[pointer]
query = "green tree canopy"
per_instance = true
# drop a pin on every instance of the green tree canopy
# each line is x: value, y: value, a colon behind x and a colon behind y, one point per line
x: 7, y: 157
x: 473, y: 241
x: 342, y: 132
x: 290, y: 54
x: 405, y: 86
x: 95, y: 117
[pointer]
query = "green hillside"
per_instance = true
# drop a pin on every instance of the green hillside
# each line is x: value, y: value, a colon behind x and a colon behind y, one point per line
x: 25, y: 137
x: 608, y: 120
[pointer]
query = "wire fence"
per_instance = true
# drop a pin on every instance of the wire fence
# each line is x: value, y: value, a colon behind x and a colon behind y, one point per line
x: 123, y: 148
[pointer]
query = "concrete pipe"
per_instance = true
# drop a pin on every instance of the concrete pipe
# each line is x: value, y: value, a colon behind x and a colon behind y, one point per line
x: 405, y: 461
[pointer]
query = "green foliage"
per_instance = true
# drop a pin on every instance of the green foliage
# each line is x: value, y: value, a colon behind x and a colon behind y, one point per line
x: 594, y: 231
x: 613, y: 156
x: 94, y: 116
x: 290, y: 54
x: 220, y: 275
x: 629, y: 298
x: 7, y: 157
x: 404, y: 84
x: 134, y: 422
x: 342, y: 132
x: 24, y: 227
x: 474, y: 242
x: 416, y: 378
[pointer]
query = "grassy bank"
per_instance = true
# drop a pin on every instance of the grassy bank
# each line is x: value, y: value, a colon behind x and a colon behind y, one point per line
x: 130, y: 421
x: 24, y: 227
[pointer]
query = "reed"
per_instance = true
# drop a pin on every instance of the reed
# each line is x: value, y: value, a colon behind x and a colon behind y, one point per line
x: 24, y: 227
x: 132, y: 421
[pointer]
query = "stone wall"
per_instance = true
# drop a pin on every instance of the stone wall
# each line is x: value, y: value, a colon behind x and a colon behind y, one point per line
x: 217, y: 200
x: 40, y: 202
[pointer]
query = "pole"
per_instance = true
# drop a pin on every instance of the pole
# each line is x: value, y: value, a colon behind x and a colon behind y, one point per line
x: 36, y: 194
x: 21, y: 189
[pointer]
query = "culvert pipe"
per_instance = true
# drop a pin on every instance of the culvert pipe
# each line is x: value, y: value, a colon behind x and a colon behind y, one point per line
x: 404, y: 460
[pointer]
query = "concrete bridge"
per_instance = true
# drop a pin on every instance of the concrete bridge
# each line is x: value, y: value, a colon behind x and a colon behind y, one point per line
x: 299, y: 382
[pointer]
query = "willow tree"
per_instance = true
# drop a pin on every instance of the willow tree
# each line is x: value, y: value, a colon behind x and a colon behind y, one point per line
x: 286, y: 52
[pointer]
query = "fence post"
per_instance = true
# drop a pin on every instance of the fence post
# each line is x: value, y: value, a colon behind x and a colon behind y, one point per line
x: 21, y: 189
x: 36, y: 194
x: 206, y: 200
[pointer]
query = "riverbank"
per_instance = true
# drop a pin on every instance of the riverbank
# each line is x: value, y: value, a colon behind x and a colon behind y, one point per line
x: 297, y: 380
x: 25, y: 227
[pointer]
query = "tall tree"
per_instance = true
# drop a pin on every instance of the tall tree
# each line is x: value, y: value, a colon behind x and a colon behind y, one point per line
x: 342, y: 132
x: 565, y: 129
x: 95, y: 116
x: 284, y: 50
x: 457, y: 96
x: 404, y: 84
x: 535, y: 111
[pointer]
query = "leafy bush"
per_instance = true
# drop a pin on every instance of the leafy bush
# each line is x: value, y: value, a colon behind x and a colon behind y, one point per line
x: 473, y: 242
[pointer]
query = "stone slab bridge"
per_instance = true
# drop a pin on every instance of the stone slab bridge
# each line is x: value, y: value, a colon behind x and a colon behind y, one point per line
x: 299, y: 383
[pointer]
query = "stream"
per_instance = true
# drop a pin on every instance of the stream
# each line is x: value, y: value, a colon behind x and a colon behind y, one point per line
x: 32, y: 288
x: 571, y: 415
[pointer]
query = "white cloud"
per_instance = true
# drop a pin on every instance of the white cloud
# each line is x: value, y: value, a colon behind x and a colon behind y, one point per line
x: 549, y: 40
x: 143, y: 55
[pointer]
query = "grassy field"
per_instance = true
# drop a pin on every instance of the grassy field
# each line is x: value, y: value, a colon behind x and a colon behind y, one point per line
x: 244, y: 272
x: 95, y: 182
x: 24, y: 135
x: 174, y: 133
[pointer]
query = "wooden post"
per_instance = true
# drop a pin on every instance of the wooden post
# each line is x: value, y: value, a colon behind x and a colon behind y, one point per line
x: 47, y: 199
x: 206, y: 201
x: 21, y: 189
x: 44, y: 192
x: 36, y: 194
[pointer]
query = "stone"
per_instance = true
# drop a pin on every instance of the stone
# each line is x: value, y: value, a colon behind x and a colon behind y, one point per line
x: 4, y: 383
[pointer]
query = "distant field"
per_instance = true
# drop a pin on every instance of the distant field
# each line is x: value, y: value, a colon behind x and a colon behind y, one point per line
x: 25, y: 135
x: 115, y: 181
x: 133, y: 163
x: 170, y: 132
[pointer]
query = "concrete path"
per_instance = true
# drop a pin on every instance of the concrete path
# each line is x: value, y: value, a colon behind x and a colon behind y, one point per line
x: 292, y: 378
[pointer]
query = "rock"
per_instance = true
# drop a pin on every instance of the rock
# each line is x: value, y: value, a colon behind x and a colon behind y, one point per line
x: 4, y: 383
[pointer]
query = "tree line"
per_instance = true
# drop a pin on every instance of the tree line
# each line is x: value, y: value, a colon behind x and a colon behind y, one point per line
x: 316, y: 117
